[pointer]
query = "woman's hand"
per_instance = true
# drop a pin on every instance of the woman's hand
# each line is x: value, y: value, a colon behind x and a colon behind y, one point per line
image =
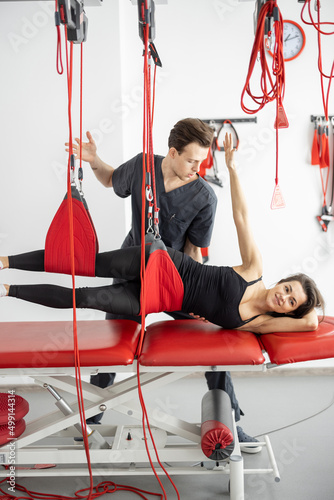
x: 200, y: 318
x: 229, y: 151
x: 88, y: 149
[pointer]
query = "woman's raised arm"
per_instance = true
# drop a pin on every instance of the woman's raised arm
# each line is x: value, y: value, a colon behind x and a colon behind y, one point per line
x: 250, y: 254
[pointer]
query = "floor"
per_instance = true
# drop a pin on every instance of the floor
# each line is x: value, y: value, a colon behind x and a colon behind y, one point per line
x: 296, y: 411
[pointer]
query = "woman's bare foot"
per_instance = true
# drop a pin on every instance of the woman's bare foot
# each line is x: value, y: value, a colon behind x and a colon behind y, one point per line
x: 4, y: 290
x: 4, y: 263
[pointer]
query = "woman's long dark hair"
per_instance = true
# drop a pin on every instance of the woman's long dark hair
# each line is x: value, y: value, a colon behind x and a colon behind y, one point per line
x: 314, y: 297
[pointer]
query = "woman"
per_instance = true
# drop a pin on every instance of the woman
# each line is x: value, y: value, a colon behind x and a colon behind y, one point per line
x: 232, y: 297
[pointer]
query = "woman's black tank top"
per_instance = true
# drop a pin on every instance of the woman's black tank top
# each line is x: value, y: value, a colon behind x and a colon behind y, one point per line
x: 213, y: 292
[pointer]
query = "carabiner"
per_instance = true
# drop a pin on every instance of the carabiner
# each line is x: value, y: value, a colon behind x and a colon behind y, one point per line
x: 149, y: 194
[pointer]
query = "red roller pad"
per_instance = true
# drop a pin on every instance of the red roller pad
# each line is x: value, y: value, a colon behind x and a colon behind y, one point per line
x: 194, y: 343
x: 164, y: 284
x: 13, y: 405
x: 50, y: 344
x: 293, y: 347
x: 7, y: 433
x: 213, y: 433
x: 57, y: 244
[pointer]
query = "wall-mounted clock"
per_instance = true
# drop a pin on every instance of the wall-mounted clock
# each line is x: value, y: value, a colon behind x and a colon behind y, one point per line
x: 293, y: 40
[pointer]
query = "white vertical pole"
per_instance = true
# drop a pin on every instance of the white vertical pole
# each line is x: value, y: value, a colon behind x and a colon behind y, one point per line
x: 236, y: 477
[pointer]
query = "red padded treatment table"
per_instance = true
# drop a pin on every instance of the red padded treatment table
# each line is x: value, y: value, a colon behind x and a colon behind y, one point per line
x: 166, y: 343
x: 194, y: 343
x: 294, y: 347
x: 50, y: 344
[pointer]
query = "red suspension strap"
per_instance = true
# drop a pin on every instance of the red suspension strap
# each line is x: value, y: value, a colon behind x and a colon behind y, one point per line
x: 272, y: 82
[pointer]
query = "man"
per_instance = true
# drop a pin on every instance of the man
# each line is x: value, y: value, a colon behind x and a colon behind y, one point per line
x: 187, y: 206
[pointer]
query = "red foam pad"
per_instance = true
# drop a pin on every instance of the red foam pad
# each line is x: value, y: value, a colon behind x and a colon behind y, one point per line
x: 12, y: 406
x: 7, y: 433
x: 50, y: 344
x: 194, y: 343
x: 301, y: 346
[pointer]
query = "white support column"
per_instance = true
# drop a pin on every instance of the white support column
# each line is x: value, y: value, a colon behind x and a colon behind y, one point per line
x: 236, y: 477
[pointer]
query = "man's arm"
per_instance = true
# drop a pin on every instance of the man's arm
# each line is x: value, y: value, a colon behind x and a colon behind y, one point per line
x: 102, y: 170
x: 193, y: 251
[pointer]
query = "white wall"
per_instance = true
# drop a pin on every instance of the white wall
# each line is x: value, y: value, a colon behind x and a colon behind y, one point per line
x: 205, y: 48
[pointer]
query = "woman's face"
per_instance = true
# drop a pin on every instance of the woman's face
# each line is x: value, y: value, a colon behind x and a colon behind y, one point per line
x: 286, y: 297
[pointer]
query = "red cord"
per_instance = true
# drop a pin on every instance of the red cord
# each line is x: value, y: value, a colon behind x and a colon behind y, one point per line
x: 153, y: 99
x: 80, y: 398
x: 148, y: 165
x: 325, y: 95
x: 270, y: 91
x: 143, y: 263
x: 98, y: 490
x: 81, y: 99
x: 59, y: 61
x: 312, y: 22
x: 316, y: 25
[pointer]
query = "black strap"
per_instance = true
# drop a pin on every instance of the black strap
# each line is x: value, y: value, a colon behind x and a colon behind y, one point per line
x: 250, y: 319
x: 249, y: 283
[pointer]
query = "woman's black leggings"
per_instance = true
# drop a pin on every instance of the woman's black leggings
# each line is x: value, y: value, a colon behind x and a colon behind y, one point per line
x: 122, y: 298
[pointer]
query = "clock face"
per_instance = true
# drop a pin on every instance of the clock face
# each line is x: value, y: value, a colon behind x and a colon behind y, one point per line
x: 293, y: 40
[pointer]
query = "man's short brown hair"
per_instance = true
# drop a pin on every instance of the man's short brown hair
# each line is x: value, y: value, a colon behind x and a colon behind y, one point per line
x: 190, y: 130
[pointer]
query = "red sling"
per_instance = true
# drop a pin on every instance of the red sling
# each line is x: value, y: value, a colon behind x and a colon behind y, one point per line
x: 57, y: 244
x: 164, y: 286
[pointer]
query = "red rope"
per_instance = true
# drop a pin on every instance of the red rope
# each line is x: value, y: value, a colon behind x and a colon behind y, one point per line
x: 59, y: 61
x: 324, y: 94
x: 148, y: 165
x: 153, y: 99
x: 325, y: 99
x: 142, y: 269
x: 270, y: 90
x: 278, y: 71
x: 98, y: 490
x: 312, y: 22
x: 81, y: 99
x: 316, y: 24
x: 80, y: 398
